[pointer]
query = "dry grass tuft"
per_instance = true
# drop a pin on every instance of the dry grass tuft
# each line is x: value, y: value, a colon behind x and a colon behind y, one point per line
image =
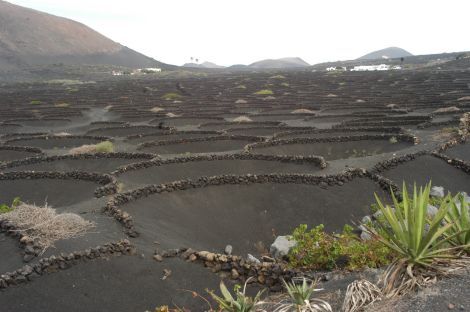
x: 450, y: 109
x: 84, y: 149
x: 302, y: 111
x: 103, y: 147
x: 62, y: 134
x: 360, y: 294
x: 45, y: 226
x: 464, y: 98
x: 242, y: 119
x: 156, y: 109
x: 171, y: 115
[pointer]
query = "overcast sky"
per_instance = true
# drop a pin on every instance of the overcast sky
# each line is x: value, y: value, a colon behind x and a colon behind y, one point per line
x: 243, y: 31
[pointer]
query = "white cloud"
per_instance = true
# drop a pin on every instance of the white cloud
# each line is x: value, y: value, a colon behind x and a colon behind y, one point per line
x: 244, y: 31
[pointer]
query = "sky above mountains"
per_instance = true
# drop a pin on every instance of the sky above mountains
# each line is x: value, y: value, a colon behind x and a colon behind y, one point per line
x: 244, y: 31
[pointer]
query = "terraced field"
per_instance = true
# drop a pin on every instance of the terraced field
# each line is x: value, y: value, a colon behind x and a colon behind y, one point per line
x: 203, y: 162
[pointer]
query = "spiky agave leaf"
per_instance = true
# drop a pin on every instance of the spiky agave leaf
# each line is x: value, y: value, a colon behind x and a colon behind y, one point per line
x: 459, y: 216
x: 403, y: 229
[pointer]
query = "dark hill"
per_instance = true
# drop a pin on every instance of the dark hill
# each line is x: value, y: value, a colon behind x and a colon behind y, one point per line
x: 387, y: 53
x: 287, y: 62
x: 29, y: 37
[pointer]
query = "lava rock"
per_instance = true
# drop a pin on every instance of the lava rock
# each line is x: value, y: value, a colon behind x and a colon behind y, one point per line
x: 252, y: 259
x: 282, y: 246
x: 228, y: 250
x: 437, y: 191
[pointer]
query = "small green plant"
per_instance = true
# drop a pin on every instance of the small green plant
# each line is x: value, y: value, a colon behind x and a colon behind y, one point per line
x: 35, y: 102
x: 264, y: 92
x: 4, y: 208
x: 393, y: 140
x: 299, y: 293
x: 285, y: 84
x: 104, y: 147
x: 315, y: 248
x: 301, y: 298
x: 319, y: 250
x: 240, y: 86
x: 240, y: 303
x: 172, y: 96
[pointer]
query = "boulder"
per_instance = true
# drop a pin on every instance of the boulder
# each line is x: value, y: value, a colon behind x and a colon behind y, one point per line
x: 365, y: 235
x: 437, y: 191
x: 282, y: 246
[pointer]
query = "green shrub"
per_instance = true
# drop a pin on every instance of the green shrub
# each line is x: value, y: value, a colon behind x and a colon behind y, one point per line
x: 104, y: 147
x: 4, y: 208
x: 35, y: 102
x: 172, y: 96
x: 240, y: 87
x: 264, y: 92
x: 319, y: 250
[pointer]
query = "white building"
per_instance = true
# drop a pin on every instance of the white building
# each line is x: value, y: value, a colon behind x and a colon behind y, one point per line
x: 371, y: 67
x: 152, y: 70
x: 333, y: 68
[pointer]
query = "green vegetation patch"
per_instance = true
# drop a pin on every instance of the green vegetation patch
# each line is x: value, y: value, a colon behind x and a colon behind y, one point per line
x: 4, y: 208
x: 104, y: 147
x: 319, y: 250
x: 264, y: 92
x: 172, y: 96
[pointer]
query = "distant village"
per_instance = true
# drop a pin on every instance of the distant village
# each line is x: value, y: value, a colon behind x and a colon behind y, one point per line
x: 380, y: 67
x: 149, y: 70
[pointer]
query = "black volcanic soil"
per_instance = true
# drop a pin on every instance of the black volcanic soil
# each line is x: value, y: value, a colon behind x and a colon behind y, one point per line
x: 56, y: 143
x: 191, y: 170
x: 100, y: 165
x: 54, y: 192
x: 461, y: 151
x: 86, y: 285
x: 8, y: 155
x: 333, y: 150
x: 428, y: 168
x: 242, y: 215
x: 11, y: 253
x: 197, y: 147
x: 210, y: 217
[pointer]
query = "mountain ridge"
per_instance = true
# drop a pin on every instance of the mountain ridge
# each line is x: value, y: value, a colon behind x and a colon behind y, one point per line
x: 29, y: 37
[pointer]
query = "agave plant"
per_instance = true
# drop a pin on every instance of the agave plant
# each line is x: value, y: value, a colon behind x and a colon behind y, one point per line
x: 419, y: 241
x: 300, y: 298
x: 459, y: 217
x: 241, y: 302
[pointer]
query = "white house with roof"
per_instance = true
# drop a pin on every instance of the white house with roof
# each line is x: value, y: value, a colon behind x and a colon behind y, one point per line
x: 371, y: 67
